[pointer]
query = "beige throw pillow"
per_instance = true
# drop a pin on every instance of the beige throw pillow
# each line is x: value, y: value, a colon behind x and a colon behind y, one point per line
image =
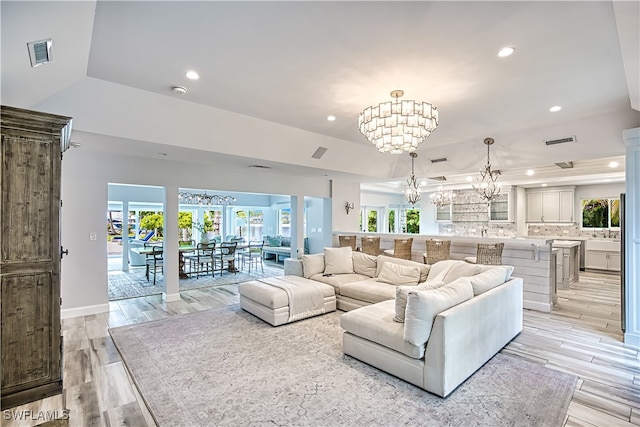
x: 490, y: 279
x: 424, y: 268
x: 396, y: 274
x: 338, y: 260
x: 312, y: 264
x: 401, y: 297
x: 424, y: 306
x: 364, y: 264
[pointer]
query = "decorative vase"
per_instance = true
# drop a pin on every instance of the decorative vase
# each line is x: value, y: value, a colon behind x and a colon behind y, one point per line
x: 204, y: 237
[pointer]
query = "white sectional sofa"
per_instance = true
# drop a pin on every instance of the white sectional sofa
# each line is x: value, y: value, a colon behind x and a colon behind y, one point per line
x: 432, y: 326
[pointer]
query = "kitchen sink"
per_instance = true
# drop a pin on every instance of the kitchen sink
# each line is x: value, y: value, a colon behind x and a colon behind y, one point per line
x: 603, y: 245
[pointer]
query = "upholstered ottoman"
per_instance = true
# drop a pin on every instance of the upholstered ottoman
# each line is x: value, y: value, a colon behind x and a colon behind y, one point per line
x: 284, y: 299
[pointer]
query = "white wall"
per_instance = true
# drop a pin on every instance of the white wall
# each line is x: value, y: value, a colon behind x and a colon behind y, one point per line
x: 343, y: 191
x: 85, y: 177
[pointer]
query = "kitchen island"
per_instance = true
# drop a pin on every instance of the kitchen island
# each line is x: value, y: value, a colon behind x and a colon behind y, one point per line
x: 531, y: 259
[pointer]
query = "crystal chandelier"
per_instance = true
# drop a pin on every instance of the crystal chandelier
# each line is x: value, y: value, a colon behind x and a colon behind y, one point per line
x: 412, y: 192
x: 487, y: 187
x: 204, y: 199
x: 442, y: 198
x: 398, y: 126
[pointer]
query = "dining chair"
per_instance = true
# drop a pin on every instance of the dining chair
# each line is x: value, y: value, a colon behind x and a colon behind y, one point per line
x: 347, y: 241
x: 437, y: 250
x: 401, y: 248
x: 154, y: 262
x: 487, y: 254
x: 226, y: 254
x: 253, y: 254
x: 371, y: 245
x: 201, y: 261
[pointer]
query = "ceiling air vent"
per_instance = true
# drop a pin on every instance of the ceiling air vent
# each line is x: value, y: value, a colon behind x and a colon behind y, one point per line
x: 319, y: 152
x: 565, y: 165
x: 40, y: 52
x: 438, y: 178
x: 439, y: 160
x: 560, y: 140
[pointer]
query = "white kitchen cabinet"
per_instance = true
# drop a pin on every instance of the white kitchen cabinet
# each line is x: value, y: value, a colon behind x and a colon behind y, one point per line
x: 603, y: 260
x: 550, y: 205
x: 603, y: 255
x: 443, y: 213
x: 500, y: 209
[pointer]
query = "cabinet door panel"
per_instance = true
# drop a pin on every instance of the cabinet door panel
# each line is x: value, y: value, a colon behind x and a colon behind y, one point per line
x: 596, y: 259
x: 534, y: 207
x: 551, y: 206
x: 566, y: 206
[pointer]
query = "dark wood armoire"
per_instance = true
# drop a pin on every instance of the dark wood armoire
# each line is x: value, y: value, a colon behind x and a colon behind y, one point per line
x: 30, y: 253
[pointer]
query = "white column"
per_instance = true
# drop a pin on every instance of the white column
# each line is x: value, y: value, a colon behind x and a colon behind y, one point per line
x: 632, y: 236
x: 125, y: 235
x: 172, y: 288
x: 297, y: 226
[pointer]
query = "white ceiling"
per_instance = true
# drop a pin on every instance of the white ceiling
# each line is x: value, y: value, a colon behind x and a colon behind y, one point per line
x: 295, y: 63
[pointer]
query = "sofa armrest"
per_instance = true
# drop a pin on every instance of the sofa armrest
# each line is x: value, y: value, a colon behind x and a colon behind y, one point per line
x: 293, y: 267
x: 465, y: 336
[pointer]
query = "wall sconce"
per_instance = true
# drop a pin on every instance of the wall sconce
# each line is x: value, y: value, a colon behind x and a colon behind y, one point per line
x: 348, y: 206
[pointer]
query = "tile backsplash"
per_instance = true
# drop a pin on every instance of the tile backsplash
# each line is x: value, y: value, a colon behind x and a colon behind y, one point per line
x: 569, y: 230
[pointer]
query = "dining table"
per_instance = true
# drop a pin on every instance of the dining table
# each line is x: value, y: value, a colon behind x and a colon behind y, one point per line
x: 186, y: 249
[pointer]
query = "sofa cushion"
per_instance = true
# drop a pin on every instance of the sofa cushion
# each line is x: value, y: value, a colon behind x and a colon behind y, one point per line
x: 401, y: 297
x: 397, y: 274
x: 424, y: 268
x: 312, y: 264
x: 375, y: 323
x: 369, y: 290
x: 274, y: 241
x: 338, y: 280
x: 364, y: 264
x: 490, y: 279
x: 465, y: 269
x: 338, y: 260
x: 440, y: 269
x: 424, y: 306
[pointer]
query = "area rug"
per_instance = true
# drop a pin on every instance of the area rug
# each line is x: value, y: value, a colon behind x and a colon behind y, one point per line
x: 226, y: 367
x: 133, y: 283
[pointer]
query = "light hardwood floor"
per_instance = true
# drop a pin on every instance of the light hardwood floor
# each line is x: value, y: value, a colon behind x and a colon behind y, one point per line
x: 581, y: 336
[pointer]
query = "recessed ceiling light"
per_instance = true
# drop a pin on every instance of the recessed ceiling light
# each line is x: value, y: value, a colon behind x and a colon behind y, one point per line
x: 331, y: 118
x: 506, y: 51
x: 555, y: 108
x: 530, y: 172
x: 613, y: 164
x: 543, y: 185
x: 192, y: 75
x: 469, y: 178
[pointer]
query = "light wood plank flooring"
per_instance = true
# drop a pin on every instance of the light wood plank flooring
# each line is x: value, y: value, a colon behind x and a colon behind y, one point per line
x: 581, y: 336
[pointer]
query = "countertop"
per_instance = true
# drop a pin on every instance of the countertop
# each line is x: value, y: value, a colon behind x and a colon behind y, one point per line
x: 565, y: 244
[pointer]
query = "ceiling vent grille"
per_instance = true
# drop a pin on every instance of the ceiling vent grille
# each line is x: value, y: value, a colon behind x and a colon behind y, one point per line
x: 40, y: 52
x: 439, y: 160
x: 438, y: 178
x: 565, y: 165
x: 560, y: 140
x: 319, y: 152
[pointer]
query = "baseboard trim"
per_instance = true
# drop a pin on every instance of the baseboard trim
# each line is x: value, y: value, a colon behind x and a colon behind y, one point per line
x: 87, y: 310
x: 170, y: 297
x: 537, y: 306
x: 632, y: 339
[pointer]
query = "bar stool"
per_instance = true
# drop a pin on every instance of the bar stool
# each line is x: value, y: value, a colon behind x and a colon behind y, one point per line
x: 487, y: 254
x: 437, y: 250
x: 401, y: 248
x: 371, y: 245
x: 347, y: 241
